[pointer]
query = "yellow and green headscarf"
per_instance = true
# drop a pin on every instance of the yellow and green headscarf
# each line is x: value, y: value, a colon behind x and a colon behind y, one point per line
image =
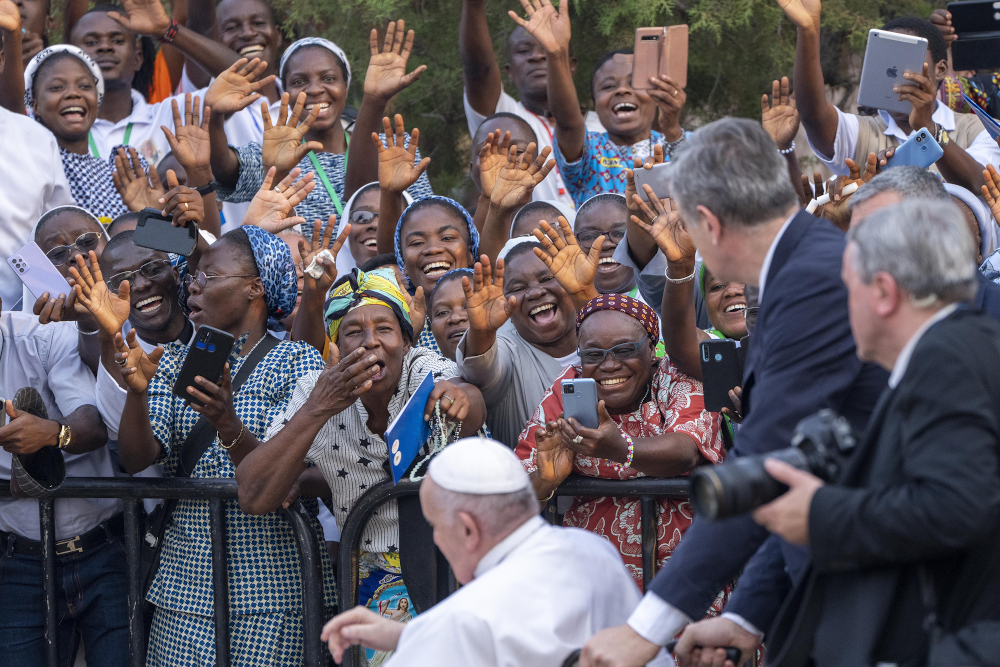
x: 358, y: 288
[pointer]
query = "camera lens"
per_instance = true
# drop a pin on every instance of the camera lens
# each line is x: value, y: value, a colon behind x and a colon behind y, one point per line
x: 919, y: 138
x: 568, y: 389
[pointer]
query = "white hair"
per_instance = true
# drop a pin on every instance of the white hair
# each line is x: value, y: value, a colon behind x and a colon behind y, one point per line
x: 908, y: 182
x: 495, y: 513
x: 924, y: 245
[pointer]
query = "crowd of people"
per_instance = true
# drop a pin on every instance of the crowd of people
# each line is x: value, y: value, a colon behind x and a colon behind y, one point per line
x: 345, y: 281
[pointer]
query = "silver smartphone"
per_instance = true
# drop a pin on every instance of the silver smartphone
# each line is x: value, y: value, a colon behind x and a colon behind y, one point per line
x: 655, y: 178
x: 37, y: 272
x: 580, y: 401
x: 887, y: 57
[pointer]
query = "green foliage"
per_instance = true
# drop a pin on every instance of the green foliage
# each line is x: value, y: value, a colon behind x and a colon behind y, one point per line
x: 736, y: 48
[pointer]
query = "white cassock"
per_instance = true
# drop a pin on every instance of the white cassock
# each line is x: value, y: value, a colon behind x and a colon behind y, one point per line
x: 537, y: 596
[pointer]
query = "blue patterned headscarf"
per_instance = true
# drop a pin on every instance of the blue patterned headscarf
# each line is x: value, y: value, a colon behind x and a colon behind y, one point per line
x: 473, y: 232
x: 277, y: 271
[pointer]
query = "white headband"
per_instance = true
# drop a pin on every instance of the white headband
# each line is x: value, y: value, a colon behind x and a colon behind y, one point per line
x: 32, y: 69
x: 314, y: 41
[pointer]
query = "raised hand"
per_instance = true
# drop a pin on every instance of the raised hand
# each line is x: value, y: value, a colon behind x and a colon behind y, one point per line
x: 941, y: 18
x: 572, y: 268
x: 238, y: 87
x: 320, y: 242
x: 343, y: 380
x: 922, y: 96
x: 554, y: 458
x: 386, y: 73
x: 670, y: 99
x: 803, y: 13
x: 486, y: 305
x: 454, y: 401
x: 143, y: 17
x: 137, y: 368
x: 418, y: 310
x: 139, y: 188
x: 109, y: 309
x: 283, y: 147
x: 550, y: 26
x: 271, y: 209
x: 991, y: 191
x: 492, y: 159
x: 185, y: 204
x: 663, y: 222
x: 780, y: 118
x: 519, y: 177
x: 189, y: 142
x: 630, y: 190
x: 10, y: 16
x: 838, y: 210
x: 396, y: 168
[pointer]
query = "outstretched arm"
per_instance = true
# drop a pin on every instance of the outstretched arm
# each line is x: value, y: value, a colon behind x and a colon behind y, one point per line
x: 11, y: 75
x: 308, y: 325
x: 516, y: 181
x: 396, y: 172
x: 480, y: 70
x: 486, y: 305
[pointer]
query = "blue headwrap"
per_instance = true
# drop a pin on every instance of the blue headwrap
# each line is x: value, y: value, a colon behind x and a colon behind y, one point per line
x: 277, y: 271
x: 473, y: 232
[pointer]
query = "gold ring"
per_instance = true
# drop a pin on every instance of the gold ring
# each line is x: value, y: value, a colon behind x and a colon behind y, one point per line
x: 186, y: 207
x: 674, y: 93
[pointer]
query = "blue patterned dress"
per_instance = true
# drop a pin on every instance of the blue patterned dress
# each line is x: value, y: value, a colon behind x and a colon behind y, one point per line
x: 265, y: 596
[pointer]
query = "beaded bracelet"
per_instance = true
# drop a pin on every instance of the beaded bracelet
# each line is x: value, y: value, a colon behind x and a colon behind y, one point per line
x: 631, y: 454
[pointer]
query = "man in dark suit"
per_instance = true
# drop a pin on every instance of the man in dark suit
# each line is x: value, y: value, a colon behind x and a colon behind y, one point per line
x: 742, y: 213
x: 905, y: 549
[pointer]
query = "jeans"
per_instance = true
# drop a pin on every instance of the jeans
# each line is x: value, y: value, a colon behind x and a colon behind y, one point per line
x: 91, y: 600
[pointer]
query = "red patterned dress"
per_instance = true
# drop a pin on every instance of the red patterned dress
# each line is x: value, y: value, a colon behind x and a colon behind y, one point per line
x: 677, y: 407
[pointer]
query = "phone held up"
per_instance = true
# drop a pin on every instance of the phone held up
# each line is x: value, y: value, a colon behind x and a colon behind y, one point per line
x: 580, y: 401
x: 660, y: 51
x: 206, y: 356
x: 721, y: 371
x: 157, y: 231
x: 37, y: 272
x: 920, y: 150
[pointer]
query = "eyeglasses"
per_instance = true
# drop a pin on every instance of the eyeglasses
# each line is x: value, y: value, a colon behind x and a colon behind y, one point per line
x: 595, y: 356
x: 202, y: 278
x: 588, y: 236
x: 152, y: 270
x: 362, y: 217
x: 84, y: 243
x: 750, y: 315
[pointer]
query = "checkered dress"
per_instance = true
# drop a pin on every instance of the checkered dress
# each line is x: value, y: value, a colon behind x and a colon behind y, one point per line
x: 262, y: 558
x: 601, y: 167
x: 91, y: 185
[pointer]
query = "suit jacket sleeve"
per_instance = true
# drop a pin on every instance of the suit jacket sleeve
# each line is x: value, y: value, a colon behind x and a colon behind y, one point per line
x: 763, y: 586
x: 946, y: 450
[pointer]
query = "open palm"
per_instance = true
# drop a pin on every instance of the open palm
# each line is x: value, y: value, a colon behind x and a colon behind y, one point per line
x: 519, y: 177
x: 386, y: 73
x: 109, y: 310
x: 283, y: 147
x: 320, y: 242
x: 555, y: 459
x: 492, y: 159
x: 803, y: 13
x: 138, y: 367
x: 396, y: 161
x: 667, y: 228
x: 991, y: 191
x: 486, y: 305
x: 139, y: 188
x: 144, y: 17
x: 550, y: 26
x: 272, y: 209
x: 237, y: 87
x: 10, y: 16
x: 780, y: 118
x: 189, y: 141
x: 572, y: 268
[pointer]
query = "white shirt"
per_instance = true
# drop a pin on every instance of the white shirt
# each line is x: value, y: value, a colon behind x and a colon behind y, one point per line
x: 983, y: 149
x: 903, y: 360
x: 33, y: 181
x: 45, y: 357
x: 537, y: 596
x: 552, y: 188
x: 769, y: 257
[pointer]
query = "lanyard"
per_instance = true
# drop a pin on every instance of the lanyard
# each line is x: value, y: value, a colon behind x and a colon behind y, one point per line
x: 318, y: 168
x: 552, y: 142
x: 93, y: 144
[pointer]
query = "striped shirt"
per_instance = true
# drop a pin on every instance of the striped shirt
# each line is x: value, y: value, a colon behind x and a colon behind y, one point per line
x: 352, y: 458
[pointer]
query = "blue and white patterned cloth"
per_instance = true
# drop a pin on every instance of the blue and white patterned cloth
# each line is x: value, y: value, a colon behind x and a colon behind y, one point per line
x: 277, y: 271
x: 91, y: 185
x: 426, y: 338
x: 469, y: 223
x: 317, y: 205
x: 263, y: 562
x: 601, y: 167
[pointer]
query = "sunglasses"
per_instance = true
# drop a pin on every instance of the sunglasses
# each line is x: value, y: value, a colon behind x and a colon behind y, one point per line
x: 362, y: 217
x: 595, y: 356
x: 151, y: 270
x: 84, y: 243
x: 202, y: 278
x: 588, y: 236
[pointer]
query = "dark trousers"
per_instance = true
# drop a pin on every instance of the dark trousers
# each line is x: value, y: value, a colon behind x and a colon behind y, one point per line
x: 91, y: 600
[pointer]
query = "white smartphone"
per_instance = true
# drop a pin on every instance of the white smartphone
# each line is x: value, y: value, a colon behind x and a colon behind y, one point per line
x: 37, y: 273
x: 887, y: 57
x: 655, y: 178
x: 580, y: 401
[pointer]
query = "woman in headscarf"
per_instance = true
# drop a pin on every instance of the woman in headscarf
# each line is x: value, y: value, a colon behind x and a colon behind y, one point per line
x: 361, y: 212
x: 652, y: 422
x: 526, y: 220
x: 336, y: 419
x: 316, y: 77
x: 242, y: 279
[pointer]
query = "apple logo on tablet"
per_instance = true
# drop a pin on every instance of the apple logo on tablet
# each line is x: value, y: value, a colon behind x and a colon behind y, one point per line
x: 891, y: 72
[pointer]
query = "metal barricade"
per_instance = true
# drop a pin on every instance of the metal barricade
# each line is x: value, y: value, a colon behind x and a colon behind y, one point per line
x: 131, y: 490
x: 646, y: 489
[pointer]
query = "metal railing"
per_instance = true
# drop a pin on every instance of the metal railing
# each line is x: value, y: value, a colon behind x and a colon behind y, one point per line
x: 131, y: 491
x: 646, y: 489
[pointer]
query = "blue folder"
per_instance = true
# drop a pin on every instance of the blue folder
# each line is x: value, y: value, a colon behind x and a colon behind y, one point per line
x: 992, y: 127
x: 408, y: 432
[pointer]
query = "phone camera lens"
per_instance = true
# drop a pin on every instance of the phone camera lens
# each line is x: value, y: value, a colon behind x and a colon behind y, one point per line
x: 568, y: 389
x: 919, y: 138
x: 718, y: 357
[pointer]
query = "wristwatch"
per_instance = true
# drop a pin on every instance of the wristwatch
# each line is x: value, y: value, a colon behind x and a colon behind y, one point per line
x: 941, y: 136
x: 206, y: 190
x: 65, y: 433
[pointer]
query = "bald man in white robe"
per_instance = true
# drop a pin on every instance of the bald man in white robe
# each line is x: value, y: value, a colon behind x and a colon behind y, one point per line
x: 531, y: 594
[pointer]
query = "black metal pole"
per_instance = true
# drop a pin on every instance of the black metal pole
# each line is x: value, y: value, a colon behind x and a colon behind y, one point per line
x: 136, y: 626
x: 220, y: 579
x: 649, y: 511
x: 47, y: 525
x: 311, y: 567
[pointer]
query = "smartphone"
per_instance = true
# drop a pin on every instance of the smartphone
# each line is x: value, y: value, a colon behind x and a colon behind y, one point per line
x: 155, y: 230
x: 974, y: 16
x: 674, y: 57
x: 648, y: 53
x: 887, y: 57
x: 721, y: 371
x: 655, y: 178
x: 37, y: 272
x: 580, y: 401
x: 976, y: 51
x: 207, y: 355
x: 920, y: 150
x: 3, y: 412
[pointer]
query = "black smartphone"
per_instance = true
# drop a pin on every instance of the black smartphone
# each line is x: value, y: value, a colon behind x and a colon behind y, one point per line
x: 207, y: 355
x: 977, y: 27
x: 155, y: 230
x: 974, y: 16
x: 721, y: 370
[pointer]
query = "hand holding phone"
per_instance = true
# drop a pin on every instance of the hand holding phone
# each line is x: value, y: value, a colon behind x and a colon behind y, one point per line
x: 920, y: 150
x: 157, y: 231
x: 580, y: 401
x: 37, y: 272
x: 207, y: 356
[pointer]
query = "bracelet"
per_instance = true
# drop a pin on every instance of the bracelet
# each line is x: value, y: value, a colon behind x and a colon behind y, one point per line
x: 87, y: 333
x: 679, y: 281
x: 669, y: 146
x: 234, y: 442
x: 631, y: 454
x: 789, y: 149
x: 548, y: 497
x: 171, y: 32
x: 206, y: 190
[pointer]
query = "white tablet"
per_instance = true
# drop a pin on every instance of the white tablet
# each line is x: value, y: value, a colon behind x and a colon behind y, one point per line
x: 887, y: 56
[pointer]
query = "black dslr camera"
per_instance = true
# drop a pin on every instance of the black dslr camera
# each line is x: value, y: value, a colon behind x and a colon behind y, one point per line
x: 820, y: 444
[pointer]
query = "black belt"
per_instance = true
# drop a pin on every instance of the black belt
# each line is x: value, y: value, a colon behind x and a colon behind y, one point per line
x: 113, y: 527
